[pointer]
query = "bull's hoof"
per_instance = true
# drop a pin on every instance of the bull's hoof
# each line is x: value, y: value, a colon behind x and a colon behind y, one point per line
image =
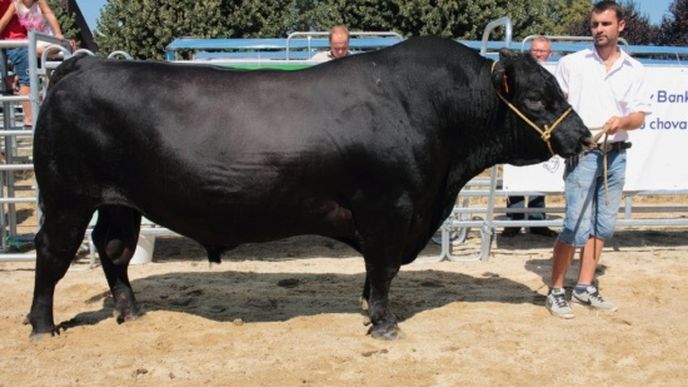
x: 384, y: 332
x: 129, y: 314
x: 39, y: 331
x: 40, y: 336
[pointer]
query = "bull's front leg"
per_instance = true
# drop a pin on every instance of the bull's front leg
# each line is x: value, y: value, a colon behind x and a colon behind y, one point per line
x: 379, y: 279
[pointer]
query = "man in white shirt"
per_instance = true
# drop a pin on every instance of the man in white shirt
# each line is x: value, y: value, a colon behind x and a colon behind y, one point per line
x: 339, y: 44
x: 606, y: 88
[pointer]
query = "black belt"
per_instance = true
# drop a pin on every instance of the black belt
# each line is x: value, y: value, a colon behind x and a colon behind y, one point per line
x: 614, y: 146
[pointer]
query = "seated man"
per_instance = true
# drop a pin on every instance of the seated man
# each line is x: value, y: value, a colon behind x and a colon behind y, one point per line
x: 339, y: 44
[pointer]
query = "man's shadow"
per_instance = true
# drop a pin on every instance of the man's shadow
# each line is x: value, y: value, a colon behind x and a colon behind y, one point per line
x: 543, y: 268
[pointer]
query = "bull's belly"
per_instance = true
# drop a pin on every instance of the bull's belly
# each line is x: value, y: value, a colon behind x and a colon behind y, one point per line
x: 234, y: 225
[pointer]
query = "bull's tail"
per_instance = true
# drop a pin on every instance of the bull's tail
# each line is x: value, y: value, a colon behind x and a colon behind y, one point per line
x: 70, y: 65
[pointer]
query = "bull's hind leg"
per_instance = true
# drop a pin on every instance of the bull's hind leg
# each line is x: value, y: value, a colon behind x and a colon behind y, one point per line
x: 56, y: 242
x: 115, y: 237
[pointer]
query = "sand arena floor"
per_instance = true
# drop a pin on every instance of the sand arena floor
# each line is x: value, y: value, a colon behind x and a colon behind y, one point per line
x: 287, y: 313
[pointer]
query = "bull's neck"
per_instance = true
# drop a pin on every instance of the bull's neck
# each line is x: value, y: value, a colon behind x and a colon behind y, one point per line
x: 482, y: 123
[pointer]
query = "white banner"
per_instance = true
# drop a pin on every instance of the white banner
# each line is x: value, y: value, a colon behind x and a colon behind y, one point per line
x: 659, y: 156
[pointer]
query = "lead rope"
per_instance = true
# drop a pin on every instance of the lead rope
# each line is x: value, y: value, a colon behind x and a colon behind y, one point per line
x: 606, y: 171
x: 603, y: 131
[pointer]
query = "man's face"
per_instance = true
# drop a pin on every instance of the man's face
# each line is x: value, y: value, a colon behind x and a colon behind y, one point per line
x: 339, y: 45
x: 605, y: 28
x: 540, y: 50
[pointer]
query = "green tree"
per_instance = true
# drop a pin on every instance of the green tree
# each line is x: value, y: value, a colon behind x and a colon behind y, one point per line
x: 561, y: 15
x: 143, y: 28
x: 674, y: 29
x: 364, y: 15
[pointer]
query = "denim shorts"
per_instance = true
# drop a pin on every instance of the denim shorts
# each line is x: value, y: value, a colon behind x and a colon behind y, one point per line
x: 19, y: 58
x: 590, y: 210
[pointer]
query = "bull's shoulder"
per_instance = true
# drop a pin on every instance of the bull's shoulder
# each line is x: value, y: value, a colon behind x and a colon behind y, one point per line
x: 434, y: 45
x: 72, y: 65
x: 435, y: 51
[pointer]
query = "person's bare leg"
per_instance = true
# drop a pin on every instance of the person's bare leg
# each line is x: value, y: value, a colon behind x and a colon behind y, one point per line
x: 584, y: 293
x: 26, y: 105
x: 561, y: 261
x: 590, y: 257
x: 556, y: 301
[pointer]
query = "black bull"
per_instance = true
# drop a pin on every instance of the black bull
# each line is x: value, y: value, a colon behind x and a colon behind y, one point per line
x: 370, y: 150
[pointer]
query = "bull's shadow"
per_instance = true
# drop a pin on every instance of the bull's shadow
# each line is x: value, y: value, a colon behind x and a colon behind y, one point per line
x: 264, y: 297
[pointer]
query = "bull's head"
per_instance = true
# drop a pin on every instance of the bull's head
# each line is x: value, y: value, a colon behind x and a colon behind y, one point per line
x: 539, y: 109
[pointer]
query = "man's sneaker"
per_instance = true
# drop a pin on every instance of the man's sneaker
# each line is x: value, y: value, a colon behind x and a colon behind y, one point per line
x: 592, y: 298
x: 557, y: 304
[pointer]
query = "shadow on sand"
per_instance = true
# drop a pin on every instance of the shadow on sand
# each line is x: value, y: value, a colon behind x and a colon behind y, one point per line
x: 263, y: 297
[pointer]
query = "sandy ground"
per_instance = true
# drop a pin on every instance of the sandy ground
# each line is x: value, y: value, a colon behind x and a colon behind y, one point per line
x: 287, y: 313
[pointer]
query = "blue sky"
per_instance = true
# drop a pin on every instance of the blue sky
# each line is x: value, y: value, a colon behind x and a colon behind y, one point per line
x: 655, y: 9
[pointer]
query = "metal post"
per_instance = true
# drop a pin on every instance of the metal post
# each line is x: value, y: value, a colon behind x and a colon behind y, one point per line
x: 33, y: 79
x: 486, y: 231
x: 6, y: 108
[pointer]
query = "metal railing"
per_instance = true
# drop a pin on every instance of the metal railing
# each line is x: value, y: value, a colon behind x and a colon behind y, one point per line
x: 12, y: 131
x: 38, y: 73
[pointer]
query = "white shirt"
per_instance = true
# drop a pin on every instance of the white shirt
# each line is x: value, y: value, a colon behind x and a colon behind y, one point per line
x: 597, y: 94
x: 324, y: 56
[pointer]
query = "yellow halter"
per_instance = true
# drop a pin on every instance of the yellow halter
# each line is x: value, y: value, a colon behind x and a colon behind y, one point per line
x: 545, y: 134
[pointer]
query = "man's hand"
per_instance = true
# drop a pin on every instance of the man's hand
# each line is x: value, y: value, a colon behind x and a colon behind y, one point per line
x: 613, y: 125
x: 629, y: 122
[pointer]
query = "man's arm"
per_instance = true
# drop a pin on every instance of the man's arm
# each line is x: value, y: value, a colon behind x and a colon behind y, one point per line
x: 629, y: 122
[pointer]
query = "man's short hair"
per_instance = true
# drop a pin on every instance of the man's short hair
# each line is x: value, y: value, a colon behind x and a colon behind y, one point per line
x: 339, y: 29
x: 606, y: 5
x: 540, y: 38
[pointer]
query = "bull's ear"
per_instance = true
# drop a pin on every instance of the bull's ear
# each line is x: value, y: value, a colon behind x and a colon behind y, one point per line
x: 500, y: 78
x: 505, y: 53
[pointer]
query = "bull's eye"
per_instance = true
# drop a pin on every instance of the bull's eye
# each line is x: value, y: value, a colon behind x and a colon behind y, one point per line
x: 533, y: 103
